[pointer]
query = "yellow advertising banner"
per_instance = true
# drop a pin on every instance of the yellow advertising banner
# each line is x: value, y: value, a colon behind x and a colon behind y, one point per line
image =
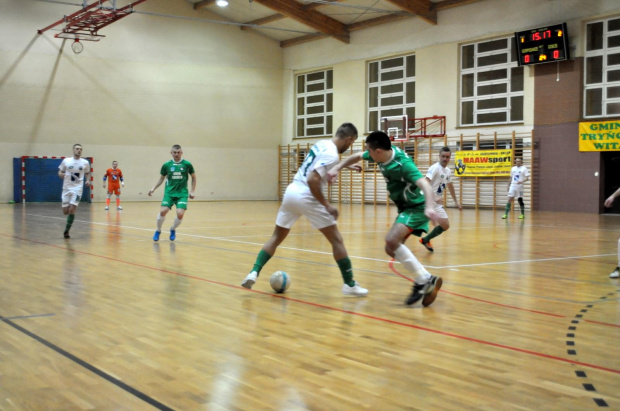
x: 599, y: 136
x: 483, y: 163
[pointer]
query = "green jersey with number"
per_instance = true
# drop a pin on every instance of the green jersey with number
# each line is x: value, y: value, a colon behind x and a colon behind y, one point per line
x: 400, y: 174
x: 177, y: 176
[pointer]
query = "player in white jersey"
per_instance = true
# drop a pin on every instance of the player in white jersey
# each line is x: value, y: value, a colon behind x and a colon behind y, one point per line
x: 304, y: 196
x: 518, y: 176
x: 608, y: 203
x: 74, y: 172
x: 438, y: 176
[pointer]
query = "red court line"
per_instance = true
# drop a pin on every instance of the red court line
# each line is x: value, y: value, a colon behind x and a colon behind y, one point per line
x: 602, y: 323
x: 371, y: 317
x: 391, y: 264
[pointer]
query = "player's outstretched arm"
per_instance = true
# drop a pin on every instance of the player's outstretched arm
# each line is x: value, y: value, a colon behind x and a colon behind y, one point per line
x: 161, y: 180
x: 610, y: 200
x: 332, y: 174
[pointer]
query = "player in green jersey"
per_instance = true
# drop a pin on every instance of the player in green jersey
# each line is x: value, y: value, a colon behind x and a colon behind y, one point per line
x: 176, y: 172
x: 413, y: 196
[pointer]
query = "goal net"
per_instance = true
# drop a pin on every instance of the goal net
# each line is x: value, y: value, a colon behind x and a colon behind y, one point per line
x: 35, y: 180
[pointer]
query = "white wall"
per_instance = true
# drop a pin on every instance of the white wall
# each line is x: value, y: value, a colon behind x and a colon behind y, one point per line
x: 150, y: 83
x: 437, y: 54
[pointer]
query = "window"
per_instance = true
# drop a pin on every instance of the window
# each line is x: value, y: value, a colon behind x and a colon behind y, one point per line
x: 314, y: 111
x: 491, y: 83
x: 391, y: 89
x: 602, y: 69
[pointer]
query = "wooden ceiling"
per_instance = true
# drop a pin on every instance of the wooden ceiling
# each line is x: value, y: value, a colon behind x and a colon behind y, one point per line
x: 295, y: 22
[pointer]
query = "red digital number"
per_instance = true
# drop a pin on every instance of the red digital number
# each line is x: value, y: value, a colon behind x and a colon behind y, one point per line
x: 526, y: 58
x: 547, y: 34
x: 536, y: 36
x: 556, y: 54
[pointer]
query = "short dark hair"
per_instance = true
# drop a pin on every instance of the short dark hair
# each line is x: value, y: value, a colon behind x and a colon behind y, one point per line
x: 378, y: 139
x: 346, y: 130
x: 176, y: 147
x: 77, y: 144
x: 445, y: 149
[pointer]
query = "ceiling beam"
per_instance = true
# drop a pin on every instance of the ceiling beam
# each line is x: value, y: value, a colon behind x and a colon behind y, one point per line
x: 421, y: 8
x: 302, y: 39
x: 263, y: 21
x: 447, y: 4
x: 278, y: 16
x: 203, y: 3
x: 377, y: 21
x: 311, y: 18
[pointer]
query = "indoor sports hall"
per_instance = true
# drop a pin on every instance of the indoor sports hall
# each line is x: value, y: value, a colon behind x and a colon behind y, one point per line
x: 528, y: 315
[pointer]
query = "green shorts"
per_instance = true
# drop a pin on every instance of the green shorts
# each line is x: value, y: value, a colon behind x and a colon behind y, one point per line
x: 170, y: 200
x: 414, y: 218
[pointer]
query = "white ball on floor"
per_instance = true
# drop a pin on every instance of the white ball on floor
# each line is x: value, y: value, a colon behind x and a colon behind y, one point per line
x: 280, y: 281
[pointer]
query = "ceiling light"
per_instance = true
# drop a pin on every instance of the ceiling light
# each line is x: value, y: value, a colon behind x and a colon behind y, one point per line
x: 222, y: 3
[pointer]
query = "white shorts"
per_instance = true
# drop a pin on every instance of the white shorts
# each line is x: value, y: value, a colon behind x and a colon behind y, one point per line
x: 296, y: 203
x: 515, y: 190
x: 71, y: 196
x: 440, y: 210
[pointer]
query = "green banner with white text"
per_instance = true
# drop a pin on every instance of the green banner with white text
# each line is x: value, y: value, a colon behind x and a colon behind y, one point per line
x: 599, y: 136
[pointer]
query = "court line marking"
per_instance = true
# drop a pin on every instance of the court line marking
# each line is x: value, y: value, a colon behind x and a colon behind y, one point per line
x: 371, y: 317
x: 126, y: 387
x: 350, y: 256
x: 395, y: 271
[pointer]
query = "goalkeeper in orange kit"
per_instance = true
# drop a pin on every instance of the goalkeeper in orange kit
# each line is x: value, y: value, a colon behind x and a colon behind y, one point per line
x: 114, y: 176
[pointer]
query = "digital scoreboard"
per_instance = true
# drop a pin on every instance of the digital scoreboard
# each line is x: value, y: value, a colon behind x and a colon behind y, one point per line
x: 542, y: 45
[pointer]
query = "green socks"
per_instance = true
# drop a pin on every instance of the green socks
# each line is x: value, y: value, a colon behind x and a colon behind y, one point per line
x: 436, y: 231
x: 507, y: 208
x: 70, y: 219
x: 346, y: 270
x: 261, y: 259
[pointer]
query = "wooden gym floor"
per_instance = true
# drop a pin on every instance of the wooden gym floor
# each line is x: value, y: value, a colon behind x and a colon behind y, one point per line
x: 527, y: 317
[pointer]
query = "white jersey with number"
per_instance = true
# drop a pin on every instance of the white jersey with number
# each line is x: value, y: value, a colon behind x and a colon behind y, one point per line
x: 75, y: 171
x: 518, y: 174
x: 440, y: 177
x: 323, y: 156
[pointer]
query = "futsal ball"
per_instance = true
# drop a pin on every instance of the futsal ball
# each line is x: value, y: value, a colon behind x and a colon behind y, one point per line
x: 280, y: 281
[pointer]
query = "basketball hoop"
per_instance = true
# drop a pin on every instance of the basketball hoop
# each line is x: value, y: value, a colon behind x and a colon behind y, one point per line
x: 77, y: 47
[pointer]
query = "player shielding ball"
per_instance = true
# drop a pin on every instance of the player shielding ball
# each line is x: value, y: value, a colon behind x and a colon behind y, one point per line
x: 74, y: 172
x: 304, y: 196
x: 114, y: 176
x: 518, y: 176
x: 438, y: 176
x: 176, y: 173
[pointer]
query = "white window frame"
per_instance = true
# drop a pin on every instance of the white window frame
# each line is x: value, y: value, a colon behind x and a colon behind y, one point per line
x: 605, y: 86
x: 323, y: 126
x: 404, y: 80
x: 510, y: 64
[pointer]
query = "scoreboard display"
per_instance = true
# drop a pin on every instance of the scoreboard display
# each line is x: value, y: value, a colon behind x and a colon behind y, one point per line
x: 542, y: 45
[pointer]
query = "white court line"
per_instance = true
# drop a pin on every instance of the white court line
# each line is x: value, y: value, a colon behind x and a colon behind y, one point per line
x: 351, y: 256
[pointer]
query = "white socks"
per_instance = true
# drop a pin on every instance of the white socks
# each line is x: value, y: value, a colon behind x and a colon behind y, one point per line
x: 176, y: 223
x: 160, y: 221
x: 404, y: 256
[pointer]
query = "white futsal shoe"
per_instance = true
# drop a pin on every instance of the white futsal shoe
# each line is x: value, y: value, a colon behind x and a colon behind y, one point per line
x: 250, y: 280
x: 355, y: 290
